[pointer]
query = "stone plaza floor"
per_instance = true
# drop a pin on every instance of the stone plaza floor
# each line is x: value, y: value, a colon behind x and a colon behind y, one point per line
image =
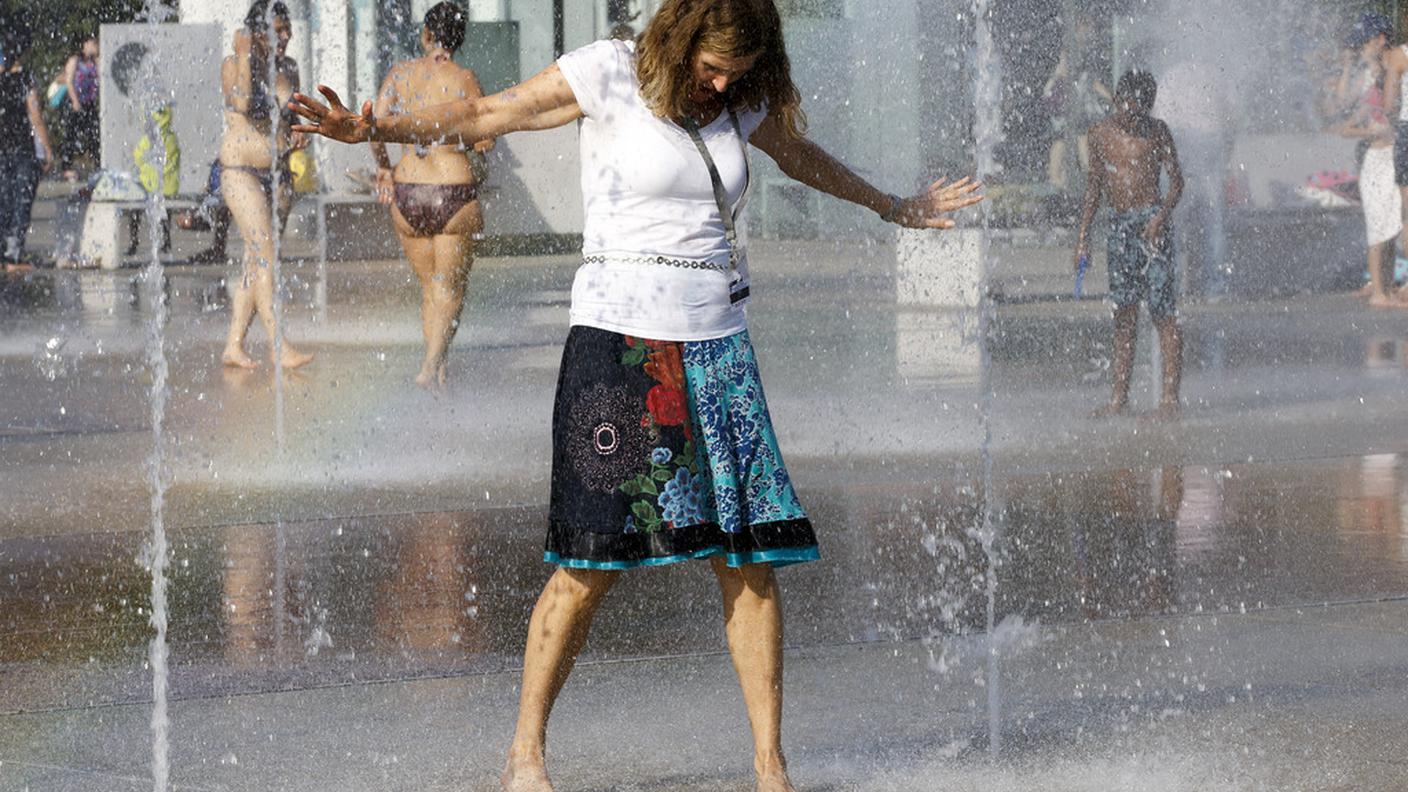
x: 1219, y: 603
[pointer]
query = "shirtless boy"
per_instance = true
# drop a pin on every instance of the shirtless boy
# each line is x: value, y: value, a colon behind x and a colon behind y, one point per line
x: 1128, y: 151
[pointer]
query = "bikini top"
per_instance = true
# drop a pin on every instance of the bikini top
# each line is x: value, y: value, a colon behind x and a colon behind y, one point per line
x: 261, y: 101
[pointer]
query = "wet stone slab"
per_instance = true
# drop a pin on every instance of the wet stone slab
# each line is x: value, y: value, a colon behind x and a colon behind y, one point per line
x: 1212, y: 604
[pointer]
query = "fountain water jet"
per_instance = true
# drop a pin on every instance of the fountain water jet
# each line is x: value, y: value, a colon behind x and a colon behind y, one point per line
x: 275, y: 232
x: 157, y: 550
x: 987, y: 130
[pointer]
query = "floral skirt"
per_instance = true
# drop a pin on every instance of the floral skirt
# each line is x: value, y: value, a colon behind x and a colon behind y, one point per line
x: 663, y: 451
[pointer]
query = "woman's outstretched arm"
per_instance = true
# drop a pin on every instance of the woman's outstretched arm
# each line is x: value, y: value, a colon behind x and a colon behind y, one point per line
x: 543, y: 101
x: 809, y: 164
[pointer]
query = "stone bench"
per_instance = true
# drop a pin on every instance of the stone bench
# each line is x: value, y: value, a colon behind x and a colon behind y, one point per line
x: 105, y: 224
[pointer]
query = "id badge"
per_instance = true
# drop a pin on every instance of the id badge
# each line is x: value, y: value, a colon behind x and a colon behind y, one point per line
x: 737, y: 289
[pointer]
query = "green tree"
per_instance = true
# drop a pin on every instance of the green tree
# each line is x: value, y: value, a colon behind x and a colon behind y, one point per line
x: 60, y: 27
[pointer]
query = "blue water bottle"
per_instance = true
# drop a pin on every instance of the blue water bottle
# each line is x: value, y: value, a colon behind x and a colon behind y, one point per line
x: 1080, y: 274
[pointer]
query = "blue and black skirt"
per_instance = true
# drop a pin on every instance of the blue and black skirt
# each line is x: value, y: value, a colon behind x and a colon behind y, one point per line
x: 663, y: 451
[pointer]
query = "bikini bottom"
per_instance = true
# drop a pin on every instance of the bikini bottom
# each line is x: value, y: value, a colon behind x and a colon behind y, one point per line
x: 266, y: 179
x: 429, y: 207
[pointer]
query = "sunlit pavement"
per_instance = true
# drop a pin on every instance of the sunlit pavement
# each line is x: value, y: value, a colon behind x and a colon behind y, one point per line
x: 1210, y: 604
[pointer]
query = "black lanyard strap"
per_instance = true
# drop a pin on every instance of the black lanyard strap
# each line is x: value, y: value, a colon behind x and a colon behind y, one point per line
x: 729, y: 216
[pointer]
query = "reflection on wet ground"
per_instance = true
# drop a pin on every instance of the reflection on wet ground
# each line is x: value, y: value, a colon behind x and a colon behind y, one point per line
x: 260, y: 607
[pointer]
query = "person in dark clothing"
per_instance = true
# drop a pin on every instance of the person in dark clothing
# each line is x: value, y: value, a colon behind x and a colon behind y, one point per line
x: 24, y: 143
x: 212, y: 215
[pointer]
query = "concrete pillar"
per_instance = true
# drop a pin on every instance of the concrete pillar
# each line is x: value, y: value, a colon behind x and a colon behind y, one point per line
x: 938, y: 280
x: 938, y: 268
x: 333, y: 62
x: 365, y: 80
x: 230, y: 17
x: 583, y: 23
x: 488, y: 10
x: 226, y: 14
x: 535, y: 32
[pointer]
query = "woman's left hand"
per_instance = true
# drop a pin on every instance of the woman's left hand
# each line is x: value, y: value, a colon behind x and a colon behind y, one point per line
x: 930, y: 209
x: 332, y: 120
x: 385, y: 186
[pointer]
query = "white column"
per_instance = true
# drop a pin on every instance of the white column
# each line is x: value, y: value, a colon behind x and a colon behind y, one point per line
x: 227, y: 14
x: 230, y: 17
x: 938, y: 283
x: 332, y: 66
x: 300, y: 46
x: 364, y: 77
x: 534, y: 19
x: 583, y: 23
x: 486, y: 10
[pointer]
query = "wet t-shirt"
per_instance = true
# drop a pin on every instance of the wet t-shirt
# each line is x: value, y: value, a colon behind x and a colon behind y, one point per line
x: 16, y: 133
x: 647, y: 194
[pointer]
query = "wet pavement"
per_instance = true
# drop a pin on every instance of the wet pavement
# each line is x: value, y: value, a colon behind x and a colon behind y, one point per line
x: 1216, y: 603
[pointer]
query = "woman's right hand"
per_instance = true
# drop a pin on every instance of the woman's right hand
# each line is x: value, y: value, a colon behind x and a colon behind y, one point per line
x: 332, y: 120
x: 930, y: 209
x: 244, y: 43
x: 385, y: 186
x: 249, y: 45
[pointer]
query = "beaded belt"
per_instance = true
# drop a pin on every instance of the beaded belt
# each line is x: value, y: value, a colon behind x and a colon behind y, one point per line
x: 661, y: 261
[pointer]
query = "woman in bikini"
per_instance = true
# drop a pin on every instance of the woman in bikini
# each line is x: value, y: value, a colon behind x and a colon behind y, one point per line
x: 432, y: 191
x: 254, y: 104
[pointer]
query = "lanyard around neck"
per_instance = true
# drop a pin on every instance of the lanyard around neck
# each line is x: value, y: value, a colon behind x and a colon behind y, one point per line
x: 729, y: 216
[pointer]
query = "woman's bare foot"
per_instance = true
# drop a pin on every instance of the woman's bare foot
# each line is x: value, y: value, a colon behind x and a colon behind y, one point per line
x: 432, y: 379
x: 775, y: 783
x: 1109, y: 411
x: 234, y: 356
x: 293, y: 359
x: 772, y: 776
x: 1383, y: 301
x: 524, y: 775
x: 1365, y: 292
x: 1167, y: 411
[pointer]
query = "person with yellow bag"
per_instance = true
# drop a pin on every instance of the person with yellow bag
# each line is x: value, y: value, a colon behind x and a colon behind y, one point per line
x: 303, y: 171
x: 167, y: 179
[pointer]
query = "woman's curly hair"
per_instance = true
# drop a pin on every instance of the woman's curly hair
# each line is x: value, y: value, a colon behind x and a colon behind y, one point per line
x: 732, y: 28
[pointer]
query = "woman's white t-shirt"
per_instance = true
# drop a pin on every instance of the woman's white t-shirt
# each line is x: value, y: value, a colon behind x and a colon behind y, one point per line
x: 647, y: 193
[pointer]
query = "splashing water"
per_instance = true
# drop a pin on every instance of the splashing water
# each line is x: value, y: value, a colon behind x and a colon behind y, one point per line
x: 275, y: 227
x: 157, y: 550
x: 987, y: 129
x: 49, y: 358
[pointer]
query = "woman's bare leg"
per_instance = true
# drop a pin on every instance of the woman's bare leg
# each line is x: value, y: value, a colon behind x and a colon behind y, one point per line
x: 454, y: 255
x: 253, y: 294
x: 236, y: 189
x: 556, y: 633
x: 753, y: 624
x: 420, y: 252
x: 442, y: 264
